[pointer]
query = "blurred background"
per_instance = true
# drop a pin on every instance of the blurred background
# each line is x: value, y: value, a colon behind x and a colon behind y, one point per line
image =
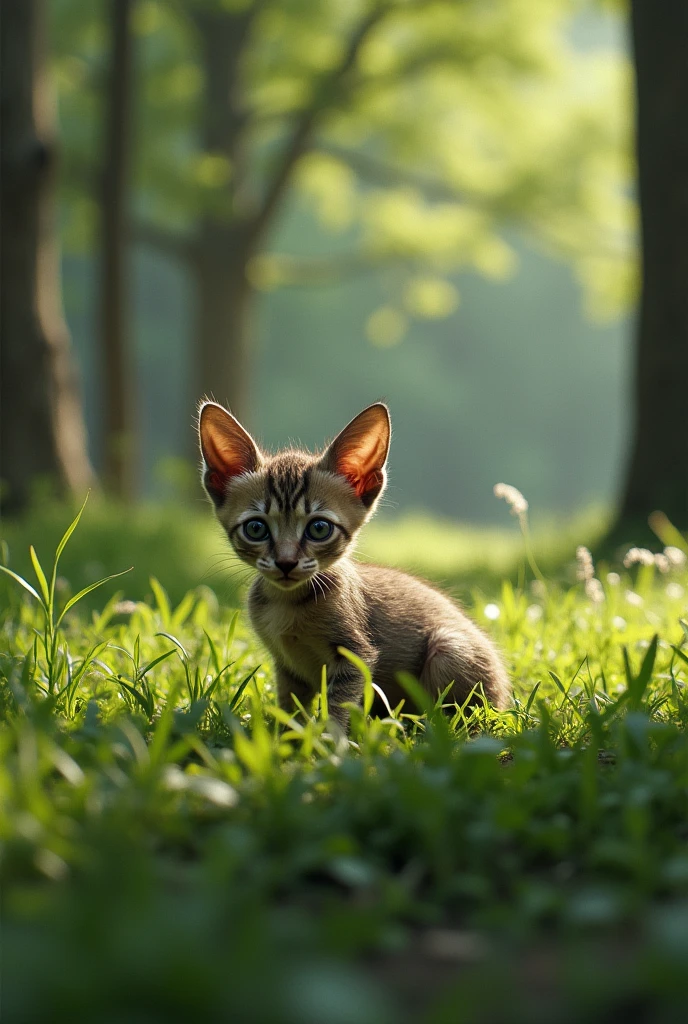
x: 301, y: 206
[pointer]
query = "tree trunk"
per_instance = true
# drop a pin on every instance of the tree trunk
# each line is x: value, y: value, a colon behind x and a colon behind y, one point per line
x: 223, y: 244
x: 42, y: 433
x: 117, y: 376
x: 657, y: 477
x: 223, y: 334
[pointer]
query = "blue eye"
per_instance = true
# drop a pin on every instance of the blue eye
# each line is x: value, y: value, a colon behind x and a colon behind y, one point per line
x: 319, y: 529
x: 256, y: 530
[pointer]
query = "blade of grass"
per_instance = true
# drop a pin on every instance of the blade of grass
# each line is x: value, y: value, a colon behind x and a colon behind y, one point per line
x: 151, y: 664
x: 87, y: 590
x: 61, y: 546
x: 213, y: 652
x: 40, y: 575
x: 141, y: 698
x: 531, y: 698
x: 177, y: 643
x: 210, y: 689
x: 420, y: 697
x: 161, y: 600
x: 22, y: 582
x: 324, y: 708
x: 234, y: 702
x: 163, y: 726
x: 641, y: 681
x: 368, y: 693
x: 231, y: 632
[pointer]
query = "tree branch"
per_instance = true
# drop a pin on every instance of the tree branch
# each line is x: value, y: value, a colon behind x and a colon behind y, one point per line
x: 305, y: 123
x: 318, y: 271
x: 176, y: 247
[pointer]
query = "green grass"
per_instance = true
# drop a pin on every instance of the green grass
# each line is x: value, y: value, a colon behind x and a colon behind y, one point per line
x: 456, y: 552
x: 175, y: 848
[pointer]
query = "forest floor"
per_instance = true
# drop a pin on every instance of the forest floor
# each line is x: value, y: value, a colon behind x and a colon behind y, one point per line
x: 176, y: 848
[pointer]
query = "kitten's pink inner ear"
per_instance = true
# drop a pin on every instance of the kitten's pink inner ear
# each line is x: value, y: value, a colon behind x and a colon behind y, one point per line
x: 359, y: 452
x: 228, y: 450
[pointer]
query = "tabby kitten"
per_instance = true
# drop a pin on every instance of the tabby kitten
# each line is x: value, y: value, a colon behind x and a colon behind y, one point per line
x: 294, y: 517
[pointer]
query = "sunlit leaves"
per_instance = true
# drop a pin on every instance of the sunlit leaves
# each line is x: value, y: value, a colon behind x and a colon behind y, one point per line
x: 404, y: 222
x: 386, y: 326
x: 211, y: 170
x: 430, y: 297
x: 495, y: 102
x: 494, y: 258
x: 332, y: 185
x: 147, y: 17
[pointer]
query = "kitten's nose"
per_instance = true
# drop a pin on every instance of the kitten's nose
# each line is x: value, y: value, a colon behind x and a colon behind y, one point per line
x: 286, y: 567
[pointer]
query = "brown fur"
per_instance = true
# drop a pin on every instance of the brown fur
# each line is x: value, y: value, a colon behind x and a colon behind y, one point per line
x: 310, y: 598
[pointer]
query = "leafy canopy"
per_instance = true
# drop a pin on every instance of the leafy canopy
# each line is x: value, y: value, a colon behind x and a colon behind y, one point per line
x: 416, y: 131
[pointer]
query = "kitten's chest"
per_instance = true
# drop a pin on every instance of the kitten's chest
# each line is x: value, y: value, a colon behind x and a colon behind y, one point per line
x: 304, y: 655
x: 296, y: 640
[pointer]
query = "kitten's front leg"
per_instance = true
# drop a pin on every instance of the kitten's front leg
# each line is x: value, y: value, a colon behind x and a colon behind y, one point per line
x: 345, y: 683
x: 290, y: 686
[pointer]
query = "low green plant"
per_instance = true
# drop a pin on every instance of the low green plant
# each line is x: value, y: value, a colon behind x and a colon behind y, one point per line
x: 60, y: 675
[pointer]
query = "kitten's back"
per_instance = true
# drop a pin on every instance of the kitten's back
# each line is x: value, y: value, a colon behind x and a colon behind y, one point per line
x: 412, y: 624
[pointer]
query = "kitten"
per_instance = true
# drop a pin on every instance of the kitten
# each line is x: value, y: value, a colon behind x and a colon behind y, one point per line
x: 294, y: 517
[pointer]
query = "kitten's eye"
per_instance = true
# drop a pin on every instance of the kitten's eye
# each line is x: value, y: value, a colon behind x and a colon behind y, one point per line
x: 256, y: 529
x: 319, y: 529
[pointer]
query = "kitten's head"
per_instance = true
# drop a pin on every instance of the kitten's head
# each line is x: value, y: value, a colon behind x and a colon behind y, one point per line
x: 293, y: 514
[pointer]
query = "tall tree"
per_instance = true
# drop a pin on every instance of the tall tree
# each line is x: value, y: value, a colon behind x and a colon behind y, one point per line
x: 118, y: 380
x: 42, y: 434
x: 414, y: 130
x: 413, y: 126
x: 657, y: 476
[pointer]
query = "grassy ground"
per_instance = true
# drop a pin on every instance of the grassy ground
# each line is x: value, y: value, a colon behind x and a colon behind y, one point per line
x: 175, y: 848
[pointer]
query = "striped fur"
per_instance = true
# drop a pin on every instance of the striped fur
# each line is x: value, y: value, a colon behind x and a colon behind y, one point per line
x: 309, y: 597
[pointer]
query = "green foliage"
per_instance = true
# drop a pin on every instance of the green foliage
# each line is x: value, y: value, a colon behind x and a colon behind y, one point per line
x: 184, y: 549
x: 453, y: 120
x: 175, y: 847
x: 59, y: 678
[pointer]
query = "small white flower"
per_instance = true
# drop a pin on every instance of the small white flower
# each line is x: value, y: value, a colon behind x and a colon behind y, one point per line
x: 538, y: 588
x: 125, y: 607
x: 674, y: 591
x: 594, y: 590
x: 634, y: 599
x: 586, y: 566
x: 675, y: 556
x: 491, y: 611
x: 533, y: 613
x: 513, y: 497
x: 638, y: 556
x: 618, y: 622
x: 613, y: 579
x: 662, y: 563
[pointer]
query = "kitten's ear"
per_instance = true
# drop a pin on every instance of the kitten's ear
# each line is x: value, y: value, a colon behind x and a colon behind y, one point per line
x: 228, y: 450
x: 359, y: 452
